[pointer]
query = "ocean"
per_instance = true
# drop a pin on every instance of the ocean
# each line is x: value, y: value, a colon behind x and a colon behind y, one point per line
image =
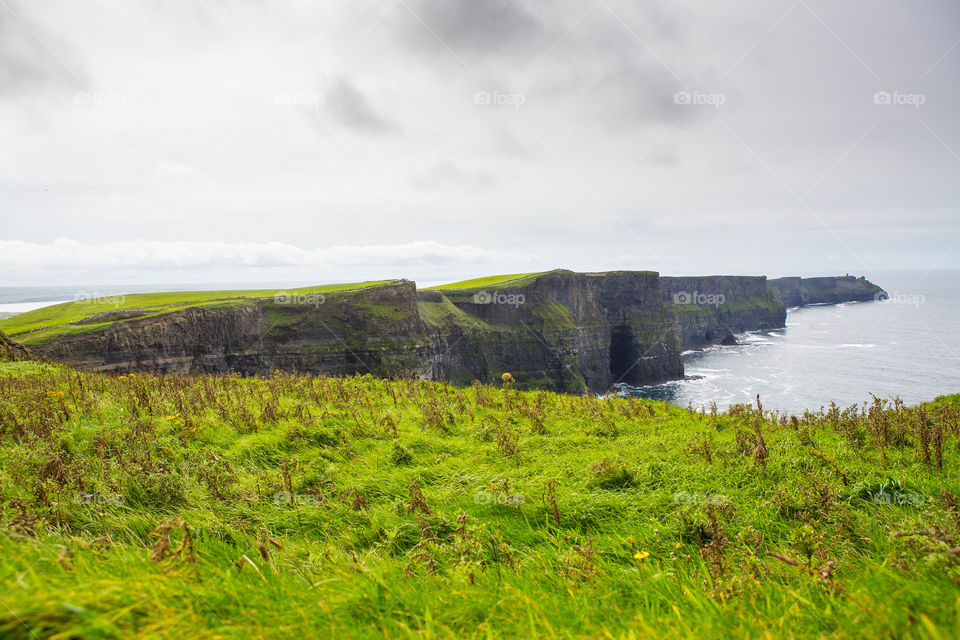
x: 906, y: 347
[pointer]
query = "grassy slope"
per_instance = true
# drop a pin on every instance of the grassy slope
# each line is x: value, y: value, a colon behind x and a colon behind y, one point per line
x: 513, y: 279
x: 57, y: 318
x: 533, y: 509
x: 445, y: 313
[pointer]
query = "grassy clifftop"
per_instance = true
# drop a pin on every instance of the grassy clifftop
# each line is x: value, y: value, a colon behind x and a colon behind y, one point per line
x: 514, y: 279
x: 151, y: 506
x: 81, y: 316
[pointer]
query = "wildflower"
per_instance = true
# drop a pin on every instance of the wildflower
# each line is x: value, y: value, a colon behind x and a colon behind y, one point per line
x: 641, y: 555
x: 507, y: 378
x: 678, y: 546
x: 122, y: 377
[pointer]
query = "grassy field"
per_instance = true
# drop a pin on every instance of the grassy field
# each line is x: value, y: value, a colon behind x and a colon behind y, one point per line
x: 479, y: 283
x: 163, y: 507
x: 47, y: 323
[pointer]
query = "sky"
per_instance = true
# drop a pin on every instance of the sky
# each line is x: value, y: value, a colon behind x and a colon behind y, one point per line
x: 252, y: 141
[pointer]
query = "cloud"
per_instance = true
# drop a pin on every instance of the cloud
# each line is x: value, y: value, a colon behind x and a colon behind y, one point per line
x: 353, y: 109
x: 440, y: 173
x: 349, y: 124
x: 30, y: 57
x: 173, y: 174
x: 69, y: 255
x: 471, y: 25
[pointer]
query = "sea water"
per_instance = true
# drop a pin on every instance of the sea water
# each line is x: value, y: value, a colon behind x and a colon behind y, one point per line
x: 907, y: 346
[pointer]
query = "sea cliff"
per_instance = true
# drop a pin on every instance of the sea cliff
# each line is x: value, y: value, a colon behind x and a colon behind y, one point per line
x: 557, y: 330
x: 798, y: 292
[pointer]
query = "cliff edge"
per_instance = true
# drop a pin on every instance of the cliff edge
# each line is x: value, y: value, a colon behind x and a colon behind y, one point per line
x: 556, y: 330
x: 799, y: 292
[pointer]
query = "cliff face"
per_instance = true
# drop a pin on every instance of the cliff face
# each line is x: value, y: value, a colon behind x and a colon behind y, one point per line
x: 561, y: 330
x: 797, y: 292
x: 374, y: 330
x: 712, y: 309
x: 564, y: 331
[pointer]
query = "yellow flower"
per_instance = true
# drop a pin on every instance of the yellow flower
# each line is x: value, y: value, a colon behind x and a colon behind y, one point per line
x: 54, y: 394
x: 507, y: 377
x: 678, y: 546
x: 122, y: 377
x: 641, y: 555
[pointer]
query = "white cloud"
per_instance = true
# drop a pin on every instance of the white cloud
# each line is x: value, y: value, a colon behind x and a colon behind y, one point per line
x: 71, y: 255
x: 214, y: 128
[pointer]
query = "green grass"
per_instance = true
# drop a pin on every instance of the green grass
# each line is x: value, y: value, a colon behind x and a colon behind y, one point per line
x: 21, y: 367
x: 47, y: 323
x: 446, y: 314
x: 512, y: 279
x: 420, y: 510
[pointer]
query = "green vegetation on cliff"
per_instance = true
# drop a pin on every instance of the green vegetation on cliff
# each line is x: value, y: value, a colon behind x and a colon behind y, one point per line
x: 10, y: 350
x: 86, y: 315
x: 513, y: 279
x: 211, y: 507
x: 745, y: 304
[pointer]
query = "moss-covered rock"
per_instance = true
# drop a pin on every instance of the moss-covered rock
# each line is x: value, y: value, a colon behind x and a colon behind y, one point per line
x: 11, y: 350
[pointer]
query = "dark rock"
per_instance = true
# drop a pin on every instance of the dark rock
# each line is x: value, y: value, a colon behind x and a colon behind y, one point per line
x: 798, y: 292
x: 710, y: 308
x: 12, y: 350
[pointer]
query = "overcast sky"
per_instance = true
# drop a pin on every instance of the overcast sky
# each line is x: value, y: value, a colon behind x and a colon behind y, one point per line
x: 308, y: 142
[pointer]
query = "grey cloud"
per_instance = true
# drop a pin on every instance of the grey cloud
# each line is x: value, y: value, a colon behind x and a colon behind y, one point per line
x: 354, y: 110
x: 30, y: 57
x: 470, y: 25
